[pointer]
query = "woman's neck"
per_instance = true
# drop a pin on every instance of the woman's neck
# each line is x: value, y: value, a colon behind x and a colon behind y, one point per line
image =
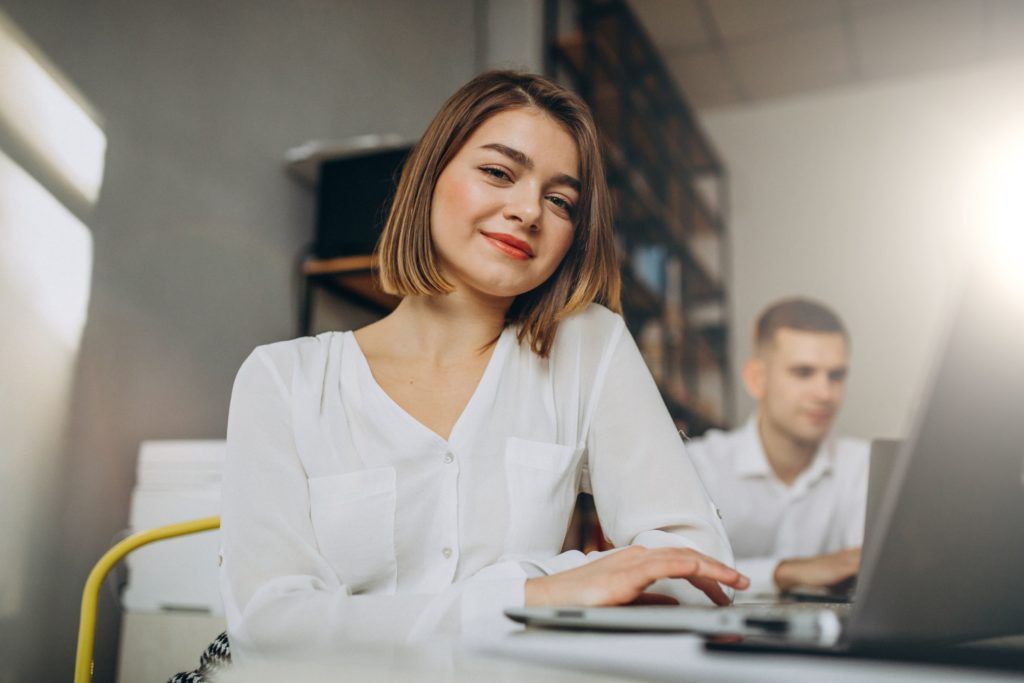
x: 440, y: 329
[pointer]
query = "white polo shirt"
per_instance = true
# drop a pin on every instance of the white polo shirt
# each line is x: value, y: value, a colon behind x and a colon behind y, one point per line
x: 822, y: 511
x: 345, y: 519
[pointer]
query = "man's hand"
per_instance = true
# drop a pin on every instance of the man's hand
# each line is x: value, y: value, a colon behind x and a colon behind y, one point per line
x: 823, y: 570
x: 621, y: 577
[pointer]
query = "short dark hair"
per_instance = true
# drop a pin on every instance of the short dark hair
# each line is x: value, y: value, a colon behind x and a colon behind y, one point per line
x: 797, y: 313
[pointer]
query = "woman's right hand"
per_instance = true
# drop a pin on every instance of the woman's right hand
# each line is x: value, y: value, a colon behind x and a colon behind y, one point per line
x: 621, y: 577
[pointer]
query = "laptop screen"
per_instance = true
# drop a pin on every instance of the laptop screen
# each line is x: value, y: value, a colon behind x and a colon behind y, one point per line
x: 947, y: 552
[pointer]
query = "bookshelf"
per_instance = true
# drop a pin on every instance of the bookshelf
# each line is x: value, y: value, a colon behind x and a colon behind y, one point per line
x: 670, y: 189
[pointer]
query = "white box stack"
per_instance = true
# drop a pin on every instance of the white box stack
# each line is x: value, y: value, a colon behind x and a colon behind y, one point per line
x: 177, y: 481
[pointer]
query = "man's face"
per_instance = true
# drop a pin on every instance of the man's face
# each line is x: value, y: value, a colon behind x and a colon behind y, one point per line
x: 799, y: 381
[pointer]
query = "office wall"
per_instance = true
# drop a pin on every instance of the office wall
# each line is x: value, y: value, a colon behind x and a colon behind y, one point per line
x: 870, y: 198
x: 194, y: 237
x: 511, y: 34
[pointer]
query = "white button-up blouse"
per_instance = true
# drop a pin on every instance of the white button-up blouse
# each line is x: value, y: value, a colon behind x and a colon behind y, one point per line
x: 345, y: 519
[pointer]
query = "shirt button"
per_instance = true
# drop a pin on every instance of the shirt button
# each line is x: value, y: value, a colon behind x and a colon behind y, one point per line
x: 447, y: 552
x: 448, y: 457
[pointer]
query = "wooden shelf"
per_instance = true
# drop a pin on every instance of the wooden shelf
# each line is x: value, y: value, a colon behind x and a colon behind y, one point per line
x: 352, y: 275
x: 336, y: 266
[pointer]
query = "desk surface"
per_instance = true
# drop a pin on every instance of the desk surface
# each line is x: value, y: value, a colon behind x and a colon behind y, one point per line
x: 662, y: 657
x: 437, y: 662
x: 575, y: 657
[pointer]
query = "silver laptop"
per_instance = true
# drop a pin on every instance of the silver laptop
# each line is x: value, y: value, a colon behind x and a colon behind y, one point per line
x: 944, y: 558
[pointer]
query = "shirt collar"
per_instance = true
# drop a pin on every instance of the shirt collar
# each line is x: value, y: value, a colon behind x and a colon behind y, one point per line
x: 821, y: 464
x: 750, y: 458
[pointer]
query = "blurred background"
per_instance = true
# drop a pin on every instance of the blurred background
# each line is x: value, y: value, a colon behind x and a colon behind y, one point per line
x: 163, y: 184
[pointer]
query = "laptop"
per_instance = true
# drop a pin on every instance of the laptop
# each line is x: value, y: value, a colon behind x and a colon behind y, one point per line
x: 945, y: 556
x: 881, y: 461
x: 753, y: 618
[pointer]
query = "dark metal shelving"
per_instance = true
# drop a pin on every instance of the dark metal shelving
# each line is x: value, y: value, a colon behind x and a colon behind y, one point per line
x: 656, y: 155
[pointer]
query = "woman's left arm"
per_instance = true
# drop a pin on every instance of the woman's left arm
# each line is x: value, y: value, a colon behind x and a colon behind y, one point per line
x: 646, y: 489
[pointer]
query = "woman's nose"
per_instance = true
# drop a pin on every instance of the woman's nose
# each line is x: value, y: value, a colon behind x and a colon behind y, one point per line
x: 525, y: 208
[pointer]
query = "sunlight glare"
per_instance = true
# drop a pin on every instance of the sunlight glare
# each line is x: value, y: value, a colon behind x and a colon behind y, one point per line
x: 44, y: 115
x: 46, y: 253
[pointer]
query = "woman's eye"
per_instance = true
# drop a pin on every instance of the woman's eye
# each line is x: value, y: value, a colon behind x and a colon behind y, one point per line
x: 496, y: 173
x: 561, y: 203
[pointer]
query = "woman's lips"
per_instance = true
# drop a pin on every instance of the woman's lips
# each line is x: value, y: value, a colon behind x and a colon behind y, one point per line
x: 509, y: 245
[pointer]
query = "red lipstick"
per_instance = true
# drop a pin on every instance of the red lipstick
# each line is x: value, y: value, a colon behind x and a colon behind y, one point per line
x: 512, y: 246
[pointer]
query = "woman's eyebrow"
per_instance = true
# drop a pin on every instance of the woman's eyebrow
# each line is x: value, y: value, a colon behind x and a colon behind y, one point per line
x: 566, y: 179
x: 527, y: 163
x: 513, y: 154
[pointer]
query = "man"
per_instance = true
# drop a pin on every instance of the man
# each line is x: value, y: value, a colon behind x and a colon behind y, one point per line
x: 792, y: 496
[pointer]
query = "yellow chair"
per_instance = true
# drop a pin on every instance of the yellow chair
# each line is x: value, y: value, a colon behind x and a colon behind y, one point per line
x: 91, y: 594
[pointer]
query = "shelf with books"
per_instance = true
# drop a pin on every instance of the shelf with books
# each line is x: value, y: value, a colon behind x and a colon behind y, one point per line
x: 653, y: 220
x: 640, y: 301
x: 657, y: 94
x: 669, y: 187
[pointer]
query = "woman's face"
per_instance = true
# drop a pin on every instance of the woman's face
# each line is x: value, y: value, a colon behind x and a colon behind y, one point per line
x: 502, y: 212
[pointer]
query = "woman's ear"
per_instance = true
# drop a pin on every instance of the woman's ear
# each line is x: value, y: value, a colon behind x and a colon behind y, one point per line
x: 753, y: 377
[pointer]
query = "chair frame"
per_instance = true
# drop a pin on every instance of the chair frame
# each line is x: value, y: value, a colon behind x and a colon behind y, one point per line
x: 93, y: 585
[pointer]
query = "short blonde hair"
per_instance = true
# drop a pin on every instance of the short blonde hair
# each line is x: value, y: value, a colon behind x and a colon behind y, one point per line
x: 588, y: 273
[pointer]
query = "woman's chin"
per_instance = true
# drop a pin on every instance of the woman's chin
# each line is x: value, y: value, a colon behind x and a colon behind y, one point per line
x: 497, y: 286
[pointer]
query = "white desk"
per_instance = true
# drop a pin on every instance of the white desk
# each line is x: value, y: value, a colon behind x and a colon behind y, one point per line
x: 437, y: 662
x: 575, y: 657
x: 676, y: 657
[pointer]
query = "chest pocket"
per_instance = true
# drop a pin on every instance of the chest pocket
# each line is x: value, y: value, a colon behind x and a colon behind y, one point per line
x: 542, y: 480
x: 353, y: 517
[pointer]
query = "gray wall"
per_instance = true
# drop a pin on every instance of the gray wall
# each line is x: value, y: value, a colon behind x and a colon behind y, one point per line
x: 196, y: 231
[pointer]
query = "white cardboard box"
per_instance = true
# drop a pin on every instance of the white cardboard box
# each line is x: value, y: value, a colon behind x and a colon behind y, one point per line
x: 177, y: 481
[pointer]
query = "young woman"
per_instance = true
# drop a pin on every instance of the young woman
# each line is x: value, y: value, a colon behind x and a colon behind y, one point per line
x: 417, y: 476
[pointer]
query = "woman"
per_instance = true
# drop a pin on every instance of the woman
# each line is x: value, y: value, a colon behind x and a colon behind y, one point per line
x: 417, y: 476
